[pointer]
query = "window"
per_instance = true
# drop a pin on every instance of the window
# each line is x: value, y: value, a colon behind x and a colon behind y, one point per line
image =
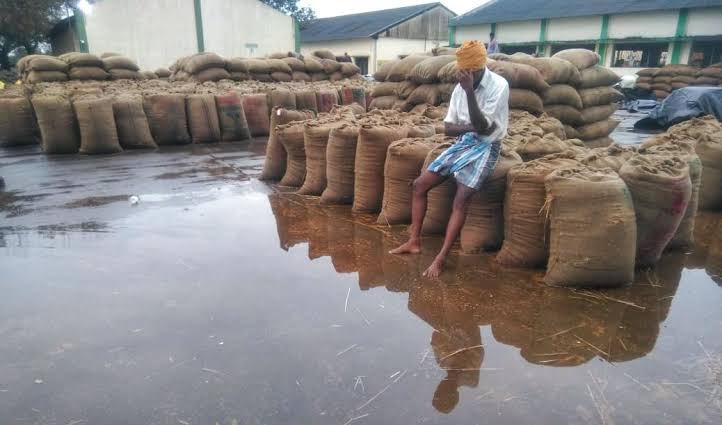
x: 556, y: 48
x: 363, y: 63
x: 705, y: 53
x: 639, y: 55
x: 510, y: 50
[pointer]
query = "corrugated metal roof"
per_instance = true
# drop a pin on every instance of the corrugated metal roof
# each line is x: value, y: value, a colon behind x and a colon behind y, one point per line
x: 520, y: 10
x: 361, y: 25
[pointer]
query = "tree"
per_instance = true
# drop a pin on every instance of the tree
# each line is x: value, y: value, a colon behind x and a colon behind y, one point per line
x: 291, y: 7
x: 26, y: 24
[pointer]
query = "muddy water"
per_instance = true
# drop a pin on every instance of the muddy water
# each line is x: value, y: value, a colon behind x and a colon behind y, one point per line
x: 217, y: 299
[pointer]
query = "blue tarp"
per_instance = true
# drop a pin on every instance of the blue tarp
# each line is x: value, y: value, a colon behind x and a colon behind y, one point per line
x: 682, y: 105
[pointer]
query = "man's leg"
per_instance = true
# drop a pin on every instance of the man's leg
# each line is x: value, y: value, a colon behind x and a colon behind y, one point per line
x: 456, y: 222
x: 421, y: 187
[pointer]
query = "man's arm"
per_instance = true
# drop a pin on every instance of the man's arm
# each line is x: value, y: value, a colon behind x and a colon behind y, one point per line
x: 456, y: 130
x: 478, y: 120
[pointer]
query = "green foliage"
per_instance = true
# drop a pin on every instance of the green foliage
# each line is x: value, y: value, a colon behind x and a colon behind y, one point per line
x: 291, y: 7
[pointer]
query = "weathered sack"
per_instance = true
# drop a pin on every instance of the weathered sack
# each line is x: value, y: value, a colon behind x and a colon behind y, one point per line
x: 211, y: 74
x: 373, y: 142
x: 257, y: 114
x: 520, y: 76
x: 401, y: 69
x: 326, y: 100
x: 382, y: 73
x: 554, y: 70
x: 132, y: 124
x: 537, y: 147
x: 17, y: 123
x: 98, y: 134
x: 340, y: 163
x: 484, y: 226
x: 447, y: 74
x: 581, y: 58
x: 404, y: 162
x: 125, y: 74
x: 599, y: 96
x: 562, y: 94
x: 384, y: 89
x: 56, y: 121
x: 593, y: 231
x: 291, y: 137
x: 597, y: 113
x: 203, y: 118
x: 88, y: 73
x: 119, y: 62
x: 34, y: 77
x: 427, y: 71
x: 564, y: 113
x: 439, y: 200
x: 232, y: 118
x: 661, y: 188
x: 282, y: 99
x: 383, y: 102
x: 425, y: 94
x: 597, y: 129
x: 709, y: 149
x: 274, y: 165
x: 167, y: 118
x: 598, y: 76
x: 306, y: 100
x: 525, y: 100
x: 612, y: 157
x: 315, y: 141
x: 203, y: 61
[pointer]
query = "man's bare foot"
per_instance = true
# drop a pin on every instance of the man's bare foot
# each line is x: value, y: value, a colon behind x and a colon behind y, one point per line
x: 435, y: 268
x: 410, y: 247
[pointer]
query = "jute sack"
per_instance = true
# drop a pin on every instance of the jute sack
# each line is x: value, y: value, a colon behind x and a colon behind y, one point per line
x: 538, y: 147
x: 56, y: 121
x: 484, y: 226
x: 421, y: 130
x: 674, y: 70
x: 700, y: 81
x: 684, y: 236
x: 647, y: 72
x: 402, y: 68
x: 446, y: 90
x: 77, y: 59
x: 385, y: 89
x: 436, y: 112
x: 257, y: 114
x: 526, y: 100
x: 597, y: 129
x: 563, y: 94
x: 282, y: 77
x: 326, y: 99
x: 711, y: 72
x: 665, y: 79
x: 282, y: 99
x: 203, y: 118
x: 41, y: 63
x: 581, y: 58
x: 211, y: 74
x: 709, y: 149
x: 98, y: 134
x: 237, y: 65
x: 312, y: 65
x: 232, y: 118
x: 340, y: 163
x: 599, y: 96
x: 166, y: 115
x: 644, y: 86
x: 295, y: 64
x: 598, y: 76
x: 351, y: 95
x: 599, y: 142
x: 256, y: 66
x: 405, y: 88
x: 554, y: 70
x: 300, y: 76
x: 382, y: 73
x: 447, y: 74
x: 349, y: 69
x: 593, y: 231
x: 697, y: 128
x: 87, y: 73
x: 551, y: 125
x: 315, y: 142
x: 661, y: 188
x: 335, y: 76
x: 306, y: 100
x: 613, y: 156
x: 330, y: 66
x: 324, y: 54
x: 148, y: 75
x: 291, y: 137
x: 274, y: 165
x: 404, y: 161
x: 564, y: 113
x: 373, y: 142
x: 34, y: 77
x: 661, y: 87
x: 425, y: 94
x: 203, y: 61
x: 17, y: 123
x: 597, y: 113
x: 650, y: 80
x: 383, y: 102
x: 119, y: 62
x: 132, y: 124
x: 525, y: 224
x: 427, y: 71
x: 520, y: 76
x: 439, y: 200
x: 262, y: 78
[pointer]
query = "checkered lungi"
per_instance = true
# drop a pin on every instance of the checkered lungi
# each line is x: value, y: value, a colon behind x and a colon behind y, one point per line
x: 470, y: 160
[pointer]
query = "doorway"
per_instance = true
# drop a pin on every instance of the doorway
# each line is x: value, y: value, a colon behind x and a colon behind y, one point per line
x: 363, y: 63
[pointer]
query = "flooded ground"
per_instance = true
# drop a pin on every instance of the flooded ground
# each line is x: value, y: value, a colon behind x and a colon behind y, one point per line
x: 215, y: 299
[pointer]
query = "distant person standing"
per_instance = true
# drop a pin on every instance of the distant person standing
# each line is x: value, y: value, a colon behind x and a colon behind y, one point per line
x: 493, y: 44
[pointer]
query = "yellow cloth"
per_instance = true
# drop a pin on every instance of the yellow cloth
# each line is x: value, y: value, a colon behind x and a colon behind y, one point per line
x: 2, y: 85
x: 471, y: 56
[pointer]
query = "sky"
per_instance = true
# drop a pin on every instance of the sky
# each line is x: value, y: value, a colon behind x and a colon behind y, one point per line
x: 327, y: 8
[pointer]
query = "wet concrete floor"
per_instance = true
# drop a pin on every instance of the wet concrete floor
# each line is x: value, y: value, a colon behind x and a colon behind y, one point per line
x: 217, y: 299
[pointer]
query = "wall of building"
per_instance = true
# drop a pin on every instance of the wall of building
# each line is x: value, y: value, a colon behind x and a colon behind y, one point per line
x: 646, y: 24
x: 432, y: 24
x: 388, y: 48
x: 473, y: 32
x: 517, y: 32
x: 355, y: 47
x: 572, y: 29
x: 153, y: 33
x: 704, y: 21
x: 245, y: 28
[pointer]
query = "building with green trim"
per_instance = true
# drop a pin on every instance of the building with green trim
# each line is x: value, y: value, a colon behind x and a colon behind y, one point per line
x: 627, y: 34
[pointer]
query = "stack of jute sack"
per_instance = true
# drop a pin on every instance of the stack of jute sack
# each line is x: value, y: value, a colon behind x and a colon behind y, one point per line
x: 84, y: 66
x: 42, y: 69
x: 200, y: 67
x: 121, y: 68
x: 662, y: 81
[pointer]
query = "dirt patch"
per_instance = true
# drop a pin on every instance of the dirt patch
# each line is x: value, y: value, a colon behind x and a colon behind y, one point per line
x: 95, y: 201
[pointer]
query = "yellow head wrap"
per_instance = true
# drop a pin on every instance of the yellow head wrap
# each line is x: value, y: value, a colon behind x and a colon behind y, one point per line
x: 471, y: 56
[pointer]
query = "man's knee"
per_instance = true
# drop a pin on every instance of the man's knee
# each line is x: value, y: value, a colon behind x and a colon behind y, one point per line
x: 462, y: 199
x: 420, y: 186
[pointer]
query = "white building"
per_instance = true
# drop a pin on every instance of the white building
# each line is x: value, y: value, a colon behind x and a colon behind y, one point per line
x: 373, y: 38
x: 156, y: 33
x: 628, y: 34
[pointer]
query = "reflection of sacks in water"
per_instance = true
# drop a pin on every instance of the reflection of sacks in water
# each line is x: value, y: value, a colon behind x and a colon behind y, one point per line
x: 340, y: 233
x: 368, y: 252
x: 713, y: 265
x: 705, y: 235
x: 318, y: 244
x: 514, y: 311
x: 399, y: 270
x: 291, y: 221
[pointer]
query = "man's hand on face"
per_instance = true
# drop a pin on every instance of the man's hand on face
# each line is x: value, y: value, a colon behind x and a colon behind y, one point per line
x: 466, y: 80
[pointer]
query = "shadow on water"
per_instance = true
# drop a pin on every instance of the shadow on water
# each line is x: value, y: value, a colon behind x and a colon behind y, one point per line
x: 550, y: 327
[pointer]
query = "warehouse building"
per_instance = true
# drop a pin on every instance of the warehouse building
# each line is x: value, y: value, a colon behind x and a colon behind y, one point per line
x: 627, y: 34
x: 156, y: 33
x: 376, y: 37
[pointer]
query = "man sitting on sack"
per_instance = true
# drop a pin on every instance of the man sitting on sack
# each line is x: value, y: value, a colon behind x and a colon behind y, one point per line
x: 478, y: 115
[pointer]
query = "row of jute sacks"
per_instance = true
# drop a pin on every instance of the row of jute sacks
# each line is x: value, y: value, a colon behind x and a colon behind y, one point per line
x: 94, y: 123
x: 662, y: 81
x: 589, y: 216
x: 209, y: 66
x: 570, y: 86
x: 35, y: 69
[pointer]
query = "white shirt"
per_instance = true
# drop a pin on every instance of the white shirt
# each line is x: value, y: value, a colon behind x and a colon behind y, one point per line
x: 493, y: 98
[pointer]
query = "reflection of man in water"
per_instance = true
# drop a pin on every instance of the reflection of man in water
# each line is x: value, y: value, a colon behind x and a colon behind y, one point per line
x: 457, y: 351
